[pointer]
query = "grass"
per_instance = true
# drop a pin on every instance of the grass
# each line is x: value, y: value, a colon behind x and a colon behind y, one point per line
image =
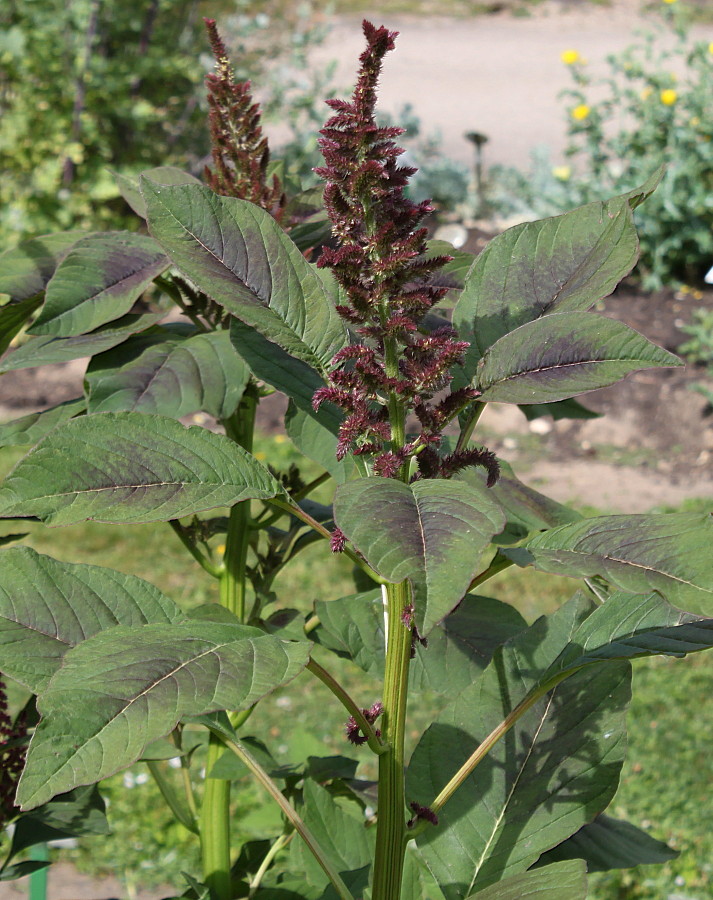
x: 665, y: 783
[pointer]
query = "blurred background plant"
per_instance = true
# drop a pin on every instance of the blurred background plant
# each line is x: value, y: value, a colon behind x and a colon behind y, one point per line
x: 89, y: 86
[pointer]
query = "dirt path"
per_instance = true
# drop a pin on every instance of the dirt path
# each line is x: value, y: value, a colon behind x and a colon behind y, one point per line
x: 498, y: 74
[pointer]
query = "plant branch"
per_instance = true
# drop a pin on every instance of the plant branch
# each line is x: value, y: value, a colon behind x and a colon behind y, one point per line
x: 499, y: 564
x: 374, y: 742
x: 290, y: 812
x: 199, y: 557
x: 187, y: 817
x: 280, y: 844
x: 469, y: 427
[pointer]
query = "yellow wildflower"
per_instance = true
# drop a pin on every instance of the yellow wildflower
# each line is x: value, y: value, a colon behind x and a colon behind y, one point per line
x: 562, y: 172
x: 579, y: 113
x: 670, y: 1
x: 220, y: 549
x: 570, y: 57
x: 710, y: 47
x: 646, y: 93
x: 260, y: 455
x: 668, y: 97
x: 695, y: 121
x: 279, y: 439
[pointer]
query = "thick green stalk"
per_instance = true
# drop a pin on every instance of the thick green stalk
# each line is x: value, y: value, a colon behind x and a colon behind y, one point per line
x: 391, y: 825
x: 215, y: 827
x: 215, y: 812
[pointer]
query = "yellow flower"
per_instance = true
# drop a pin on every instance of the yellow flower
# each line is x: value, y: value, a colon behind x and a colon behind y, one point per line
x: 260, y: 455
x: 710, y: 47
x: 279, y: 439
x: 668, y: 97
x: 570, y: 57
x: 695, y: 121
x: 646, y: 93
x: 562, y: 172
x: 670, y: 1
x: 579, y: 113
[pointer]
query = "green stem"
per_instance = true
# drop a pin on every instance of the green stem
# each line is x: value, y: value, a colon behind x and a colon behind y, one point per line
x: 487, y: 745
x: 239, y: 427
x: 215, y: 813
x: 202, y: 560
x: 499, y: 564
x: 185, y: 815
x: 469, y: 427
x: 391, y: 826
x: 280, y: 844
x: 372, y: 740
x: 215, y: 827
x: 290, y: 813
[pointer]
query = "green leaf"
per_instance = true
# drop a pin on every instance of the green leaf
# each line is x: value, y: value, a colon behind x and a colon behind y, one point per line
x: 129, y: 186
x: 239, y: 255
x: 293, y: 377
x: 22, y: 869
x: 79, y: 812
x: 667, y: 553
x: 430, y: 532
x: 608, y: 843
x: 128, y: 467
x: 123, y: 688
x: 47, y: 607
x: 31, y: 428
x: 317, y: 441
x: 564, y: 354
x: 26, y: 269
x: 526, y: 509
x: 561, y: 881
x: 12, y: 318
x: 342, y: 837
x: 561, y: 409
x: 173, y: 371
x: 459, y: 647
x: 560, y: 264
x: 99, y: 280
x: 555, y: 769
x: 46, y: 350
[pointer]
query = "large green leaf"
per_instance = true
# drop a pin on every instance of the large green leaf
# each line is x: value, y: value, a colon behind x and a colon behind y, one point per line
x: 515, y: 804
x: 343, y: 838
x: 561, y: 881
x: 560, y: 264
x: 26, y: 269
x: 564, y: 354
x: 46, y: 350
x: 129, y: 467
x: 669, y: 553
x: 98, y: 281
x: 123, y: 688
x: 131, y: 192
x: 12, y: 318
x: 430, y: 532
x: 239, y: 255
x: 608, y: 843
x: 47, y: 607
x: 172, y: 370
x: 31, y: 428
x: 555, y: 769
x: 459, y: 647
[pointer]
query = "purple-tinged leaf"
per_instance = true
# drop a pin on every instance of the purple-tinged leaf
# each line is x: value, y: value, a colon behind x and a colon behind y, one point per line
x: 667, y: 553
x: 131, y: 192
x: 47, y: 350
x: 173, y: 371
x: 560, y: 264
x: 47, y: 607
x: 13, y: 317
x: 430, y: 532
x: 562, y: 355
x: 26, y: 269
x: 128, y: 467
x: 125, y: 687
x: 99, y: 280
x: 239, y: 255
x: 31, y: 428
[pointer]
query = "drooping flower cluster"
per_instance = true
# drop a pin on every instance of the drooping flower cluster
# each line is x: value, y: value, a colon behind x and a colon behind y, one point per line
x: 382, y: 264
x: 238, y: 148
x: 12, y: 758
x: 354, y: 733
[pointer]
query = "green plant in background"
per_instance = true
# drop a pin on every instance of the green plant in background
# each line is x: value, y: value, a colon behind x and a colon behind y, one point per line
x: 89, y: 86
x: 505, y: 792
x: 655, y: 110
